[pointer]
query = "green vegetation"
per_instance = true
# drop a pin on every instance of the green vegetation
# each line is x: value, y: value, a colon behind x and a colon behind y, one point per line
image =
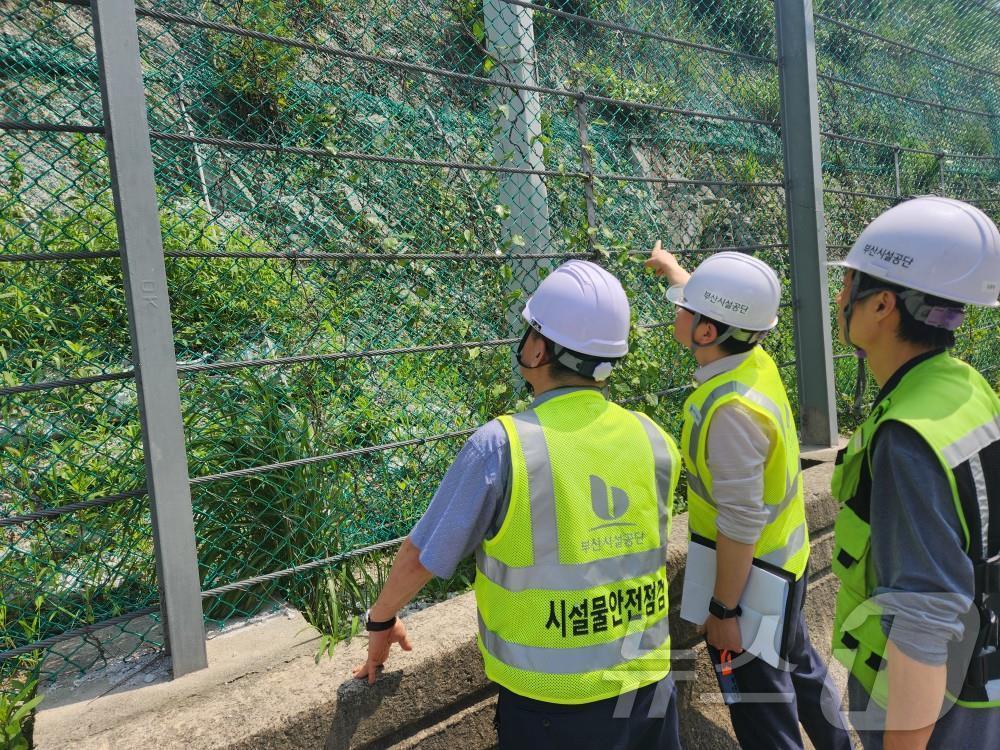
x: 233, y: 300
x: 19, y: 685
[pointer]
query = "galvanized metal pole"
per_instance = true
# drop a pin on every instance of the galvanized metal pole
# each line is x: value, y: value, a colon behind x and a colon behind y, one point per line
x: 510, y: 40
x: 131, y: 161
x: 587, y: 167
x: 806, y: 231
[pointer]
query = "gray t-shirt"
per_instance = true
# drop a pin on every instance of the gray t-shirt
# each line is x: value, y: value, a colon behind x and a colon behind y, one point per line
x: 917, y: 546
x: 738, y: 444
x: 466, y: 506
x: 471, y: 501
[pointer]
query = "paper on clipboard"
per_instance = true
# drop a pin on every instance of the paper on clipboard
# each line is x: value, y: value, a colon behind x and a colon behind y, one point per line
x: 764, y: 600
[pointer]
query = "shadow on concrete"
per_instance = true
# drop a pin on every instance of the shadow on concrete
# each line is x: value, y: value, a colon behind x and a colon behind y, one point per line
x: 356, y: 701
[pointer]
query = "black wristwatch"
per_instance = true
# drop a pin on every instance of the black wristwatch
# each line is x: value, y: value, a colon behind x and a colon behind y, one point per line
x: 720, y: 610
x: 373, y: 626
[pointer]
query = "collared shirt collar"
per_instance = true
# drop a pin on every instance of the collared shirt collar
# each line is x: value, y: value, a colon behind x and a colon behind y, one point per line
x: 556, y: 392
x: 719, y: 366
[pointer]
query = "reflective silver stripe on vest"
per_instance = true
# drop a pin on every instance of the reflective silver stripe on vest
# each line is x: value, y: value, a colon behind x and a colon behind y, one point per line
x: 724, y: 390
x: 547, y: 572
x: 979, y: 479
x: 541, y: 489
x: 664, y: 470
x: 773, y: 511
x: 565, y: 576
x: 576, y: 660
x: 698, y: 420
x: 969, y: 445
x: 792, y: 547
x: 694, y: 483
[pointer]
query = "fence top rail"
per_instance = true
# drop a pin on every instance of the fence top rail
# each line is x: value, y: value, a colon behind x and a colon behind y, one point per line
x: 327, y: 49
x: 909, y: 48
x: 907, y: 149
x: 47, y: 514
x: 902, y: 98
x: 50, y: 127
x: 322, y: 153
x: 640, y: 32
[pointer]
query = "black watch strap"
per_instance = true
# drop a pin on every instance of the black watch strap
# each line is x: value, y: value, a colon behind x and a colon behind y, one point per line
x: 373, y: 626
x: 720, y: 610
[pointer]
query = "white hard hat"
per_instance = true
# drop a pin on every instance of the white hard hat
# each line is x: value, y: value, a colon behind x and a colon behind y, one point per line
x: 934, y: 245
x: 732, y: 288
x: 581, y: 307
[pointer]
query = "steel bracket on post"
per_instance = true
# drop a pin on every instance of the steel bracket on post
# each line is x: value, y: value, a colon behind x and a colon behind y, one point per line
x: 806, y: 224
x: 141, y: 246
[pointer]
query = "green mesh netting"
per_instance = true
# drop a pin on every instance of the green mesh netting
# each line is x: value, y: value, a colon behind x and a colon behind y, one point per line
x: 355, y: 197
x: 909, y: 98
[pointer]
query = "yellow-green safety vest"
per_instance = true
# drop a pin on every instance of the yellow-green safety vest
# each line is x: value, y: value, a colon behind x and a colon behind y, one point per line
x: 572, y: 589
x: 953, y: 408
x: 756, y: 385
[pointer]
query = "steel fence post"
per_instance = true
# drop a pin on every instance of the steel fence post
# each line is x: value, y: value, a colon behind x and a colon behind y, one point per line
x: 806, y: 231
x: 510, y: 41
x: 587, y: 166
x: 141, y: 248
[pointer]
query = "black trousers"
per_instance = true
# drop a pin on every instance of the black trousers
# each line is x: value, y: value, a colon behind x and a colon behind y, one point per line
x: 649, y: 721
x: 766, y: 703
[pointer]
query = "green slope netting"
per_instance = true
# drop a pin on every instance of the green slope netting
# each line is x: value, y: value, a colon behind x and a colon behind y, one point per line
x: 355, y: 198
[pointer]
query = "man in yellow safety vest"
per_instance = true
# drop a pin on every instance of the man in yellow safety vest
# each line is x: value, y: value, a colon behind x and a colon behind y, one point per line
x: 567, y: 507
x: 745, y: 496
x: 917, y: 547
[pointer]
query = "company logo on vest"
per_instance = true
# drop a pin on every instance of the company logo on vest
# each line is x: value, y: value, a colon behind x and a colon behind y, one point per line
x: 609, y: 505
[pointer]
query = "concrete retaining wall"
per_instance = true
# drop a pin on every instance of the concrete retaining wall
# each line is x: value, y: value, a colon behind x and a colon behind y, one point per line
x: 264, y: 689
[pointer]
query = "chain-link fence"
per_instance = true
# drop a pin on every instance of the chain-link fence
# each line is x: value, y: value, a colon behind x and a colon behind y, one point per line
x: 908, y: 109
x: 354, y: 198
x: 75, y: 531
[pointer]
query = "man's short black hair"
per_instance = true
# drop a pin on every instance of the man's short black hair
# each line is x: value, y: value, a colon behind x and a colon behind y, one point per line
x: 911, y: 330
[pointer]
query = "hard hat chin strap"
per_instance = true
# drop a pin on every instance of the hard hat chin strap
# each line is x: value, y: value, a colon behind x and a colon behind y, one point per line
x: 853, y: 297
x: 936, y: 316
x: 915, y: 302
x: 596, y: 368
x: 739, y: 334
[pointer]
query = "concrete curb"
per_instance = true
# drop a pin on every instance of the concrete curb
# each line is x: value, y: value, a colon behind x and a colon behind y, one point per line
x: 263, y: 688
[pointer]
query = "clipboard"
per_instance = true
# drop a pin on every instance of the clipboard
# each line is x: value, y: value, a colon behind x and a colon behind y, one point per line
x: 766, y: 602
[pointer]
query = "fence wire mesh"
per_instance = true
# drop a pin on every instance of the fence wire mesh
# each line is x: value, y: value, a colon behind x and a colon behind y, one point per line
x: 75, y: 531
x: 907, y: 109
x: 371, y: 178
x: 355, y: 198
